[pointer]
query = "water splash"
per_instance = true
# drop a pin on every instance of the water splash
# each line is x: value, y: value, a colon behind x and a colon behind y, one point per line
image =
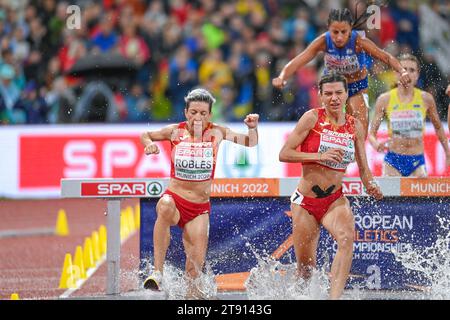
x: 271, y: 279
x: 432, y: 262
x: 176, y: 286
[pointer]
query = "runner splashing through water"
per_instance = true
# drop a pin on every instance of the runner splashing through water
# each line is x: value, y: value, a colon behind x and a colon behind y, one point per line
x: 330, y: 140
x: 186, y: 202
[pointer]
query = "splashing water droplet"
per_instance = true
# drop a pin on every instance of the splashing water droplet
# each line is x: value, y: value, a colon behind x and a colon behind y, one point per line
x: 432, y: 262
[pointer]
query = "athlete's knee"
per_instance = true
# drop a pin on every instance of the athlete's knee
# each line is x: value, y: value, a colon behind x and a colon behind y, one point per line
x: 166, y: 208
x: 344, y: 240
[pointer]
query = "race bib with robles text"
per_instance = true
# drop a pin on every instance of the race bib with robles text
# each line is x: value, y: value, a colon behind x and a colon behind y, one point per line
x: 194, y: 161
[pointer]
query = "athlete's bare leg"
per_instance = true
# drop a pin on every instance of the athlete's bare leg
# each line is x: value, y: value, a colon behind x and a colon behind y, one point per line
x: 420, y: 172
x: 358, y: 108
x: 305, y: 236
x: 390, y: 171
x: 195, y: 240
x: 167, y: 216
x: 340, y: 224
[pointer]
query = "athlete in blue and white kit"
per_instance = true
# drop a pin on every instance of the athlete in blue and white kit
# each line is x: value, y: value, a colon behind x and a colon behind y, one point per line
x: 345, y: 53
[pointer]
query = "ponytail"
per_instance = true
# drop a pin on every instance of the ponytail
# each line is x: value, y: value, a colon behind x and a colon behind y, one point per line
x: 345, y: 15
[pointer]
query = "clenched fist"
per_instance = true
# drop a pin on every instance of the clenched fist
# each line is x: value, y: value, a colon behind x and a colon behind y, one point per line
x: 152, y: 148
x: 251, y: 120
x: 279, y: 83
x: 373, y: 189
x: 405, y: 79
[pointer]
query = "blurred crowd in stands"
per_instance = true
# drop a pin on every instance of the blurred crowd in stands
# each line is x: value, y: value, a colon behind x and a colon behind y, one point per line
x: 233, y: 48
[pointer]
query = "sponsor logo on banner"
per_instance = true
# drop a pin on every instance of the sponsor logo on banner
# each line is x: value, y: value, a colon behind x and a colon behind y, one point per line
x: 431, y: 187
x: 154, y: 189
x: 45, y: 160
x: 39, y: 160
x: 353, y: 187
x: 113, y: 189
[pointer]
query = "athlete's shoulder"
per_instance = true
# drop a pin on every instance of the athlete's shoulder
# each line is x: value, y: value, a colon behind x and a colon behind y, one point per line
x: 214, y: 128
x: 385, y: 96
x: 426, y: 96
x: 313, y: 114
x: 309, y: 118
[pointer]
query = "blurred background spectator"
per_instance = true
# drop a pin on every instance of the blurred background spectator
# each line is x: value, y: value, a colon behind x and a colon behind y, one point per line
x: 233, y: 48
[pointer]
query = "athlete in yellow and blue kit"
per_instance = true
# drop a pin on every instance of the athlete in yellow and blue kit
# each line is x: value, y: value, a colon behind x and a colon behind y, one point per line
x: 405, y: 109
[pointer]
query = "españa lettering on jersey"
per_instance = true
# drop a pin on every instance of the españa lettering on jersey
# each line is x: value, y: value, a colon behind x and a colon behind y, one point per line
x: 325, y: 136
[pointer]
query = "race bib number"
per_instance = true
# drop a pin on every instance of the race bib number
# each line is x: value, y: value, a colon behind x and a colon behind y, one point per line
x: 343, y: 65
x: 407, y: 124
x: 194, y: 161
x: 296, y: 197
x: 344, y: 141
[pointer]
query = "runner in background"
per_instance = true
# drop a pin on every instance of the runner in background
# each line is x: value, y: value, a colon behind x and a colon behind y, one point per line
x: 405, y: 109
x: 345, y: 52
x: 186, y: 201
x: 330, y: 140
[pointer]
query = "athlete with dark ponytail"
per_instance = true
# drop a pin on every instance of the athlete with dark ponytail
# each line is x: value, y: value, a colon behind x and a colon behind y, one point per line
x: 345, y: 52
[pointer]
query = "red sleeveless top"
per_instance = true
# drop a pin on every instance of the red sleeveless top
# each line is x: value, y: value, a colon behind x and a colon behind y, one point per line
x: 324, y: 136
x: 193, y: 161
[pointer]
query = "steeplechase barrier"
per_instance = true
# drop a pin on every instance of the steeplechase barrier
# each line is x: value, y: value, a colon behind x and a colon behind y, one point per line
x: 252, y: 215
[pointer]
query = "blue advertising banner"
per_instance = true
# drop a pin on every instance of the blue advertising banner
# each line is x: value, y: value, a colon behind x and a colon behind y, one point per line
x: 243, y: 228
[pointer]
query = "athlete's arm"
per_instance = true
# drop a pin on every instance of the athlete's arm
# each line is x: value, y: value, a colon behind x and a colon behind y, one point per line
x: 147, y: 138
x: 299, y: 61
x: 250, y: 139
x: 288, y: 152
x: 434, y: 117
x: 364, y: 172
x: 371, y: 48
x: 378, y: 117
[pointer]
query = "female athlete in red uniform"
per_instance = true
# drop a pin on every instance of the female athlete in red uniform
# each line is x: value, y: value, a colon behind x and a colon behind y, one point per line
x: 185, y: 203
x: 330, y: 140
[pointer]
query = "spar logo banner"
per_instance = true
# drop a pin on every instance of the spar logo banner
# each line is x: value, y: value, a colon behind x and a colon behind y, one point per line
x: 76, y: 156
x: 35, y: 159
x: 110, y: 189
x: 121, y: 189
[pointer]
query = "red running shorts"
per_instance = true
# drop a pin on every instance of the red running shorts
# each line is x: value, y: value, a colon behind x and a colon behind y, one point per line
x: 317, y: 207
x: 188, y: 210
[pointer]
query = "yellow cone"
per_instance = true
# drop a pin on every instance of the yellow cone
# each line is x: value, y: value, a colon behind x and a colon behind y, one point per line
x: 137, y: 216
x: 79, y: 263
x: 62, y: 228
x: 88, y: 254
x: 95, y: 246
x: 67, y: 279
x: 130, y: 218
x: 102, y: 234
x: 15, y: 296
x: 124, y: 228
